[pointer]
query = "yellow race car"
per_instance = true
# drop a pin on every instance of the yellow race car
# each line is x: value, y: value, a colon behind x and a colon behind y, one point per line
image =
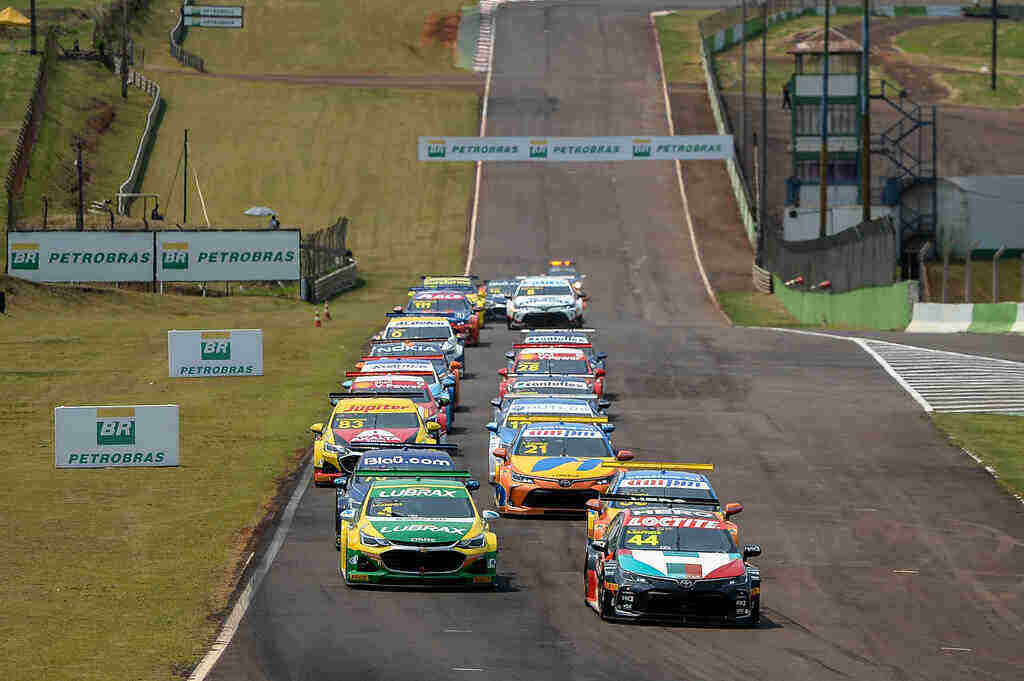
x: 418, y: 528
x: 361, y: 423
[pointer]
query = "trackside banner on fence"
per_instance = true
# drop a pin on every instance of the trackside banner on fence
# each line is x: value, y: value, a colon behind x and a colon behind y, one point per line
x: 208, y: 354
x: 80, y: 256
x: 97, y: 437
x: 227, y: 255
x: 637, y: 148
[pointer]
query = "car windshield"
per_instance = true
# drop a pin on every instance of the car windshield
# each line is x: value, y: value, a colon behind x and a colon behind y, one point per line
x: 467, y: 287
x: 419, y: 502
x: 412, y: 332
x: 562, y: 270
x: 577, y: 367
x: 673, y: 488
x: 544, y: 290
x: 457, y: 305
x: 503, y: 289
x: 561, y: 445
x: 676, y: 539
x: 359, y: 420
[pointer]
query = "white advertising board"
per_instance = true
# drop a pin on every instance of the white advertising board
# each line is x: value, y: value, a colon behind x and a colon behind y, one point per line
x: 541, y: 149
x: 210, y: 354
x: 80, y: 256
x: 213, y: 10
x: 214, y: 22
x: 100, y: 437
x: 228, y: 255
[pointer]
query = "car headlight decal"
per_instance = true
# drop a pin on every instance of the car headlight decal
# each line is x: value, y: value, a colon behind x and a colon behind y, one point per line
x: 476, y: 542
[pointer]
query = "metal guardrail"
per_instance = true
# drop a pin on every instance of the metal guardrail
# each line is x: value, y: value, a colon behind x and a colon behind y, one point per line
x: 177, y: 51
x: 130, y: 185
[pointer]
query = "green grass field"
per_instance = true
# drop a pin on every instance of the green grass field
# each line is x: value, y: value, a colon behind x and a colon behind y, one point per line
x: 747, y: 308
x: 18, y: 74
x: 680, y: 45
x: 994, y: 438
x: 981, y: 281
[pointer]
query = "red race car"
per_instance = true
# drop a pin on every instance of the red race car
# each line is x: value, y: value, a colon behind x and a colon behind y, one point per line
x: 569, y: 362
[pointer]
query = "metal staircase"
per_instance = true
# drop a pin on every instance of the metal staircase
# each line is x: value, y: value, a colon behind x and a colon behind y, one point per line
x: 909, y: 148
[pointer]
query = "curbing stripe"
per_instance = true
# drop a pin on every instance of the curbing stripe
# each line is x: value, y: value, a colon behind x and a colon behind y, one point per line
x: 227, y: 632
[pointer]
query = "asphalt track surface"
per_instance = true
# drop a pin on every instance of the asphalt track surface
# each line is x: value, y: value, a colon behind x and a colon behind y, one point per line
x: 844, y: 480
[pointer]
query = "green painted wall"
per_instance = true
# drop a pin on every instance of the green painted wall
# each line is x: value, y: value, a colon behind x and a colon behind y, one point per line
x: 993, y: 317
x: 875, y: 307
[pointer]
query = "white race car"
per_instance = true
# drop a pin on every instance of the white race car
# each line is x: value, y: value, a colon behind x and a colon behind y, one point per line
x: 544, y: 302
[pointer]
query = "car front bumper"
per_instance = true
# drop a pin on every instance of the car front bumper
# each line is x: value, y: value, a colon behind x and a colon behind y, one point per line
x: 418, y: 568
x: 712, y: 601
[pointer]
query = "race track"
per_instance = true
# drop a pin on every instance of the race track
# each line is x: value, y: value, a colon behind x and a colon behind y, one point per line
x: 844, y: 481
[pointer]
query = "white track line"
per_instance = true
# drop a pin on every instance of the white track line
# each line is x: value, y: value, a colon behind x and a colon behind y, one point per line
x: 227, y: 632
x: 679, y: 171
x: 471, y: 246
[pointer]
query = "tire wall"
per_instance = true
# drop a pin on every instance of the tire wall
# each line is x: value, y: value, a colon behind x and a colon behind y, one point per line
x: 874, y: 307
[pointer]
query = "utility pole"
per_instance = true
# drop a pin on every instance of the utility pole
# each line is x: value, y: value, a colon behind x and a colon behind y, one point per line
x: 823, y: 229
x: 80, y: 215
x: 32, y: 26
x: 124, y: 51
x: 995, y: 38
x: 184, y: 217
x: 865, y: 166
x: 743, y: 90
x: 762, y: 221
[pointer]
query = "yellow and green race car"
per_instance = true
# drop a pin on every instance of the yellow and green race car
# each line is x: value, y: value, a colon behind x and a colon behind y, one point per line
x: 415, y: 529
x: 361, y: 423
x: 469, y: 286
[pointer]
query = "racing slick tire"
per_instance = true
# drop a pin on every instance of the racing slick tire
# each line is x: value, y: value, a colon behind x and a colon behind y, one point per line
x: 604, y: 606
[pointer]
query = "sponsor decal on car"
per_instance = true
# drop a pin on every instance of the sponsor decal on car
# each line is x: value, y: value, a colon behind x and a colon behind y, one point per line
x: 519, y: 407
x: 415, y: 492
x: 675, y: 521
x: 536, y: 431
x: 665, y: 483
x: 551, y: 354
x: 398, y: 459
x: 375, y: 408
x: 376, y: 435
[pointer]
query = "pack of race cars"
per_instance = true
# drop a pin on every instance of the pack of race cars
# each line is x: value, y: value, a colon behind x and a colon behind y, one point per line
x: 659, y: 544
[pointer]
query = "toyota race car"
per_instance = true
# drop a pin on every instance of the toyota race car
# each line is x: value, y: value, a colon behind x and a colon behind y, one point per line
x: 417, y: 529
x: 544, y: 301
x: 565, y: 362
x: 361, y: 423
x: 554, y: 338
x: 674, y: 563
x: 451, y: 304
x: 468, y: 285
x: 554, y: 467
x: 497, y: 292
x: 420, y: 328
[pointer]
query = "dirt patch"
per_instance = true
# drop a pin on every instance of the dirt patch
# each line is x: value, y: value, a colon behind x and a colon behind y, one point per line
x: 441, y: 29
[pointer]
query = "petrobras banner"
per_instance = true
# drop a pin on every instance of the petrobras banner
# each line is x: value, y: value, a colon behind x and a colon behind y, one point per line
x: 638, y: 148
x: 98, y: 437
x: 207, y: 354
x: 80, y: 256
x: 227, y: 255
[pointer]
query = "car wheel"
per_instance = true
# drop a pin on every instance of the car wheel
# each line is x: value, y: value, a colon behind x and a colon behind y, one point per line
x: 755, y: 613
x: 604, y: 606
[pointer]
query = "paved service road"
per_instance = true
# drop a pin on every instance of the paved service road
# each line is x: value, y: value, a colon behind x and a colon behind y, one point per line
x: 887, y: 553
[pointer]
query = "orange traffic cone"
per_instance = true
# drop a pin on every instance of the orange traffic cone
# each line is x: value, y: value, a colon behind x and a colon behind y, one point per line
x: 316, y: 319
x: 327, y: 313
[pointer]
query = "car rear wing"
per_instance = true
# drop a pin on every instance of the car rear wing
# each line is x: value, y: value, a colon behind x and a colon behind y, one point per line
x: 413, y: 315
x: 447, y: 447
x: 364, y: 445
x: 587, y: 331
x: 394, y: 372
x: 655, y: 500
x: 662, y: 466
x: 544, y: 344
x: 431, y: 474
x: 554, y: 418
x: 432, y: 339
x: 334, y: 398
x: 553, y: 396
x: 424, y: 357
x: 581, y: 377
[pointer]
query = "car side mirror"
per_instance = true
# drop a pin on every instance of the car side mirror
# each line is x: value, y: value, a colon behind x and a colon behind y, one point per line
x: 624, y: 455
x: 599, y: 545
x: 599, y: 373
x: 604, y: 404
x: 593, y: 505
x: 433, y: 426
x: 346, y: 385
x: 510, y: 354
x: 751, y: 551
x: 396, y: 308
x: 443, y: 401
x: 601, y: 355
x: 607, y: 427
x: 501, y: 453
x: 492, y: 426
x: 490, y: 515
x: 347, y: 514
x: 495, y: 402
x: 317, y: 428
x: 733, y: 508
x: 503, y: 372
x: 456, y: 365
x: 472, y: 485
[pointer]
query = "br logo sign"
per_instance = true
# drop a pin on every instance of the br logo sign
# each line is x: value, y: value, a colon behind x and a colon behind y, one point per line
x: 175, y: 256
x: 115, y: 426
x: 24, y: 256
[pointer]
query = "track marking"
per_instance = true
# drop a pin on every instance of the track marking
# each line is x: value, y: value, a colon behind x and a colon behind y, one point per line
x: 227, y: 632
x: 467, y: 669
x: 471, y: 245
x: 906, y: 572
x: 956, y: 650
x: 679, y: 171
x: 458, y: 631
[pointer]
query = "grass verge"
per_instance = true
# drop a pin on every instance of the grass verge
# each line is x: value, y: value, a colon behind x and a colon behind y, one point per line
x: 312, y: 153
x: 966, y: 44
x: 975, y: 89
x: 680, y: 45
x: 993, y: 438
x: 83, y: 99
x: 18, y: 74
x: 750, y: 308
x: 981, y: 281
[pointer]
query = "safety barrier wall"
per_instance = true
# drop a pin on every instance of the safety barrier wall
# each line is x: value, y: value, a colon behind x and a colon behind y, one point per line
x: 875, y: 307
x: 967, y: 318
x: 134, y: 181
